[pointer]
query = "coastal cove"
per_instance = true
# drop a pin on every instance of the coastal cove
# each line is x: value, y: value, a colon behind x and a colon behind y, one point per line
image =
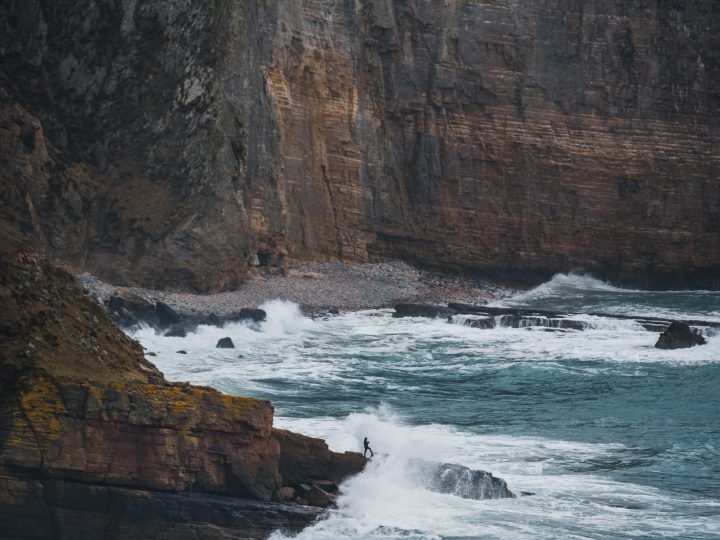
x: 615, y: 438
x: 360, y: 270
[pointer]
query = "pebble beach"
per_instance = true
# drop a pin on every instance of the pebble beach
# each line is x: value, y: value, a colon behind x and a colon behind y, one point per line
x: 316, y: 288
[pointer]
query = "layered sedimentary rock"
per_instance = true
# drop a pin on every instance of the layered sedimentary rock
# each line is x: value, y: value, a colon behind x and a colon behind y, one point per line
x: 92, y: 437
x: 181, y: 143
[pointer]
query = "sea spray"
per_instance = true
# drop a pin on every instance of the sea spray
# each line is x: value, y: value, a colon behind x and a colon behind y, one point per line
x: 580, y: 293
x: 284, y: 317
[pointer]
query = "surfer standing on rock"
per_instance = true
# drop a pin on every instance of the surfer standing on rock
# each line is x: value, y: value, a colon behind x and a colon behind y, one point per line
x: 366, y: 444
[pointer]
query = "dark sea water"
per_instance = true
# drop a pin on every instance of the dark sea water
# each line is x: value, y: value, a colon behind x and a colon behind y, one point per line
x: 616, y: 439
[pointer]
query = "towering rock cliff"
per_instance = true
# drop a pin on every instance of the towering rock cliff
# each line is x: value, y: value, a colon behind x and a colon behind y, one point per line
x: 180, y: 143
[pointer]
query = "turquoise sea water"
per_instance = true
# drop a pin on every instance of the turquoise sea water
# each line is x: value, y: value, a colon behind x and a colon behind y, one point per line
x: 616, y: 439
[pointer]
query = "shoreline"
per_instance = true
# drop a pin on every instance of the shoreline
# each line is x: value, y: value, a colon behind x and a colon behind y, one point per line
x: 320, y: 287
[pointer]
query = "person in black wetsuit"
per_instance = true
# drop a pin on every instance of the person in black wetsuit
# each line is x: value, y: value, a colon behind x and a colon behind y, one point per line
x: 366, y: 444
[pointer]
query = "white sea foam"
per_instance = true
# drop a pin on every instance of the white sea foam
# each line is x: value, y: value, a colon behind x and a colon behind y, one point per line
x: 373, y: 352
x: 564, y: 284
x: 388, y: 500
x: 284, y: 317
x: 582, y: 293
x: 299, y: 348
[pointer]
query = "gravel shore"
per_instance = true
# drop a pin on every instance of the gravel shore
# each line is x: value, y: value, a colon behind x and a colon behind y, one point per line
x: 319, y: 287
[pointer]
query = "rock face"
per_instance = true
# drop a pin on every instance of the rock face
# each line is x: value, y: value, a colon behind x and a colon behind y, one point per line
x: 679, y: 336
x: 92, y: 434
x: 513, y: 138
x: 62, y: 509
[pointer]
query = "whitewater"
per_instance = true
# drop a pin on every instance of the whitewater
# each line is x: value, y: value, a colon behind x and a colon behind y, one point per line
x: 614, y: 438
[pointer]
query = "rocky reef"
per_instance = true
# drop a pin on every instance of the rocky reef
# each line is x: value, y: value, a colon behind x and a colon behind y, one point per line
x: 517, y: 139
x: 93, y: 438
x: 674, y: 334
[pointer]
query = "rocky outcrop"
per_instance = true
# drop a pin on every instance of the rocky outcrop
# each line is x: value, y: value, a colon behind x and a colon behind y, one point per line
x: 184, y: 143
x: 308, y: 460
x: 462, y: 481
x: 679, y: 336
x: 422, y: 310
x: 91, y: 432
x: 485, y: 317
x: 130, y: 310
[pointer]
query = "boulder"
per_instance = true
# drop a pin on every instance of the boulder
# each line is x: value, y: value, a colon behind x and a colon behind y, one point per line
x: 225, y: 343
x: 679, y: 335
x: 165, y: 315
x: 128, y: 308
x: 286, y: 493
x: 315, y: 496
x: 252, y: 314
x: 462, y: 481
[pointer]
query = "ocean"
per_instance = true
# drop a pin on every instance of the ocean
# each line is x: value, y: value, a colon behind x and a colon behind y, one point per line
x: 614, y: 438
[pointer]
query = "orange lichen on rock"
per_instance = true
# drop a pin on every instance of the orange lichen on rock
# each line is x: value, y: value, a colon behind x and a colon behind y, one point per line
x: 80, y: 403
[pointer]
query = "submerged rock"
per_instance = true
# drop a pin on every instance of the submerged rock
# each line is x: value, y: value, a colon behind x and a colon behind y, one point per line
x: 225, y: 343
x: 679, y: 335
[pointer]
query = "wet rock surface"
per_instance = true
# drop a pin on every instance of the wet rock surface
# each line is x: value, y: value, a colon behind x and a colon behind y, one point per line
x: 676, y: 334
x: 225, y: 343
x: 462, y: 481
x: 422, y: 310
x: 679, y: 335
x: 130, y: 309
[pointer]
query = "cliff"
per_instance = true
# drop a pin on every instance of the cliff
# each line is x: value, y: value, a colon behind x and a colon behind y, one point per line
x: 95, y: 443
x: 179, y: 144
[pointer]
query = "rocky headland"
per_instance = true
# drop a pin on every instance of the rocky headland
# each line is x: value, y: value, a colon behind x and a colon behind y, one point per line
x: 95, y: 443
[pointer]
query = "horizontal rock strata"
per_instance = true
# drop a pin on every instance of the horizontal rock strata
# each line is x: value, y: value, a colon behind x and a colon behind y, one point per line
x: 93, y: 437
x: 183, y: 144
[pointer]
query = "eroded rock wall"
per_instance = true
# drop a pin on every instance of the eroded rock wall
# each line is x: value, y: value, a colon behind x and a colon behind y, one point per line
x: 193, y: 140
